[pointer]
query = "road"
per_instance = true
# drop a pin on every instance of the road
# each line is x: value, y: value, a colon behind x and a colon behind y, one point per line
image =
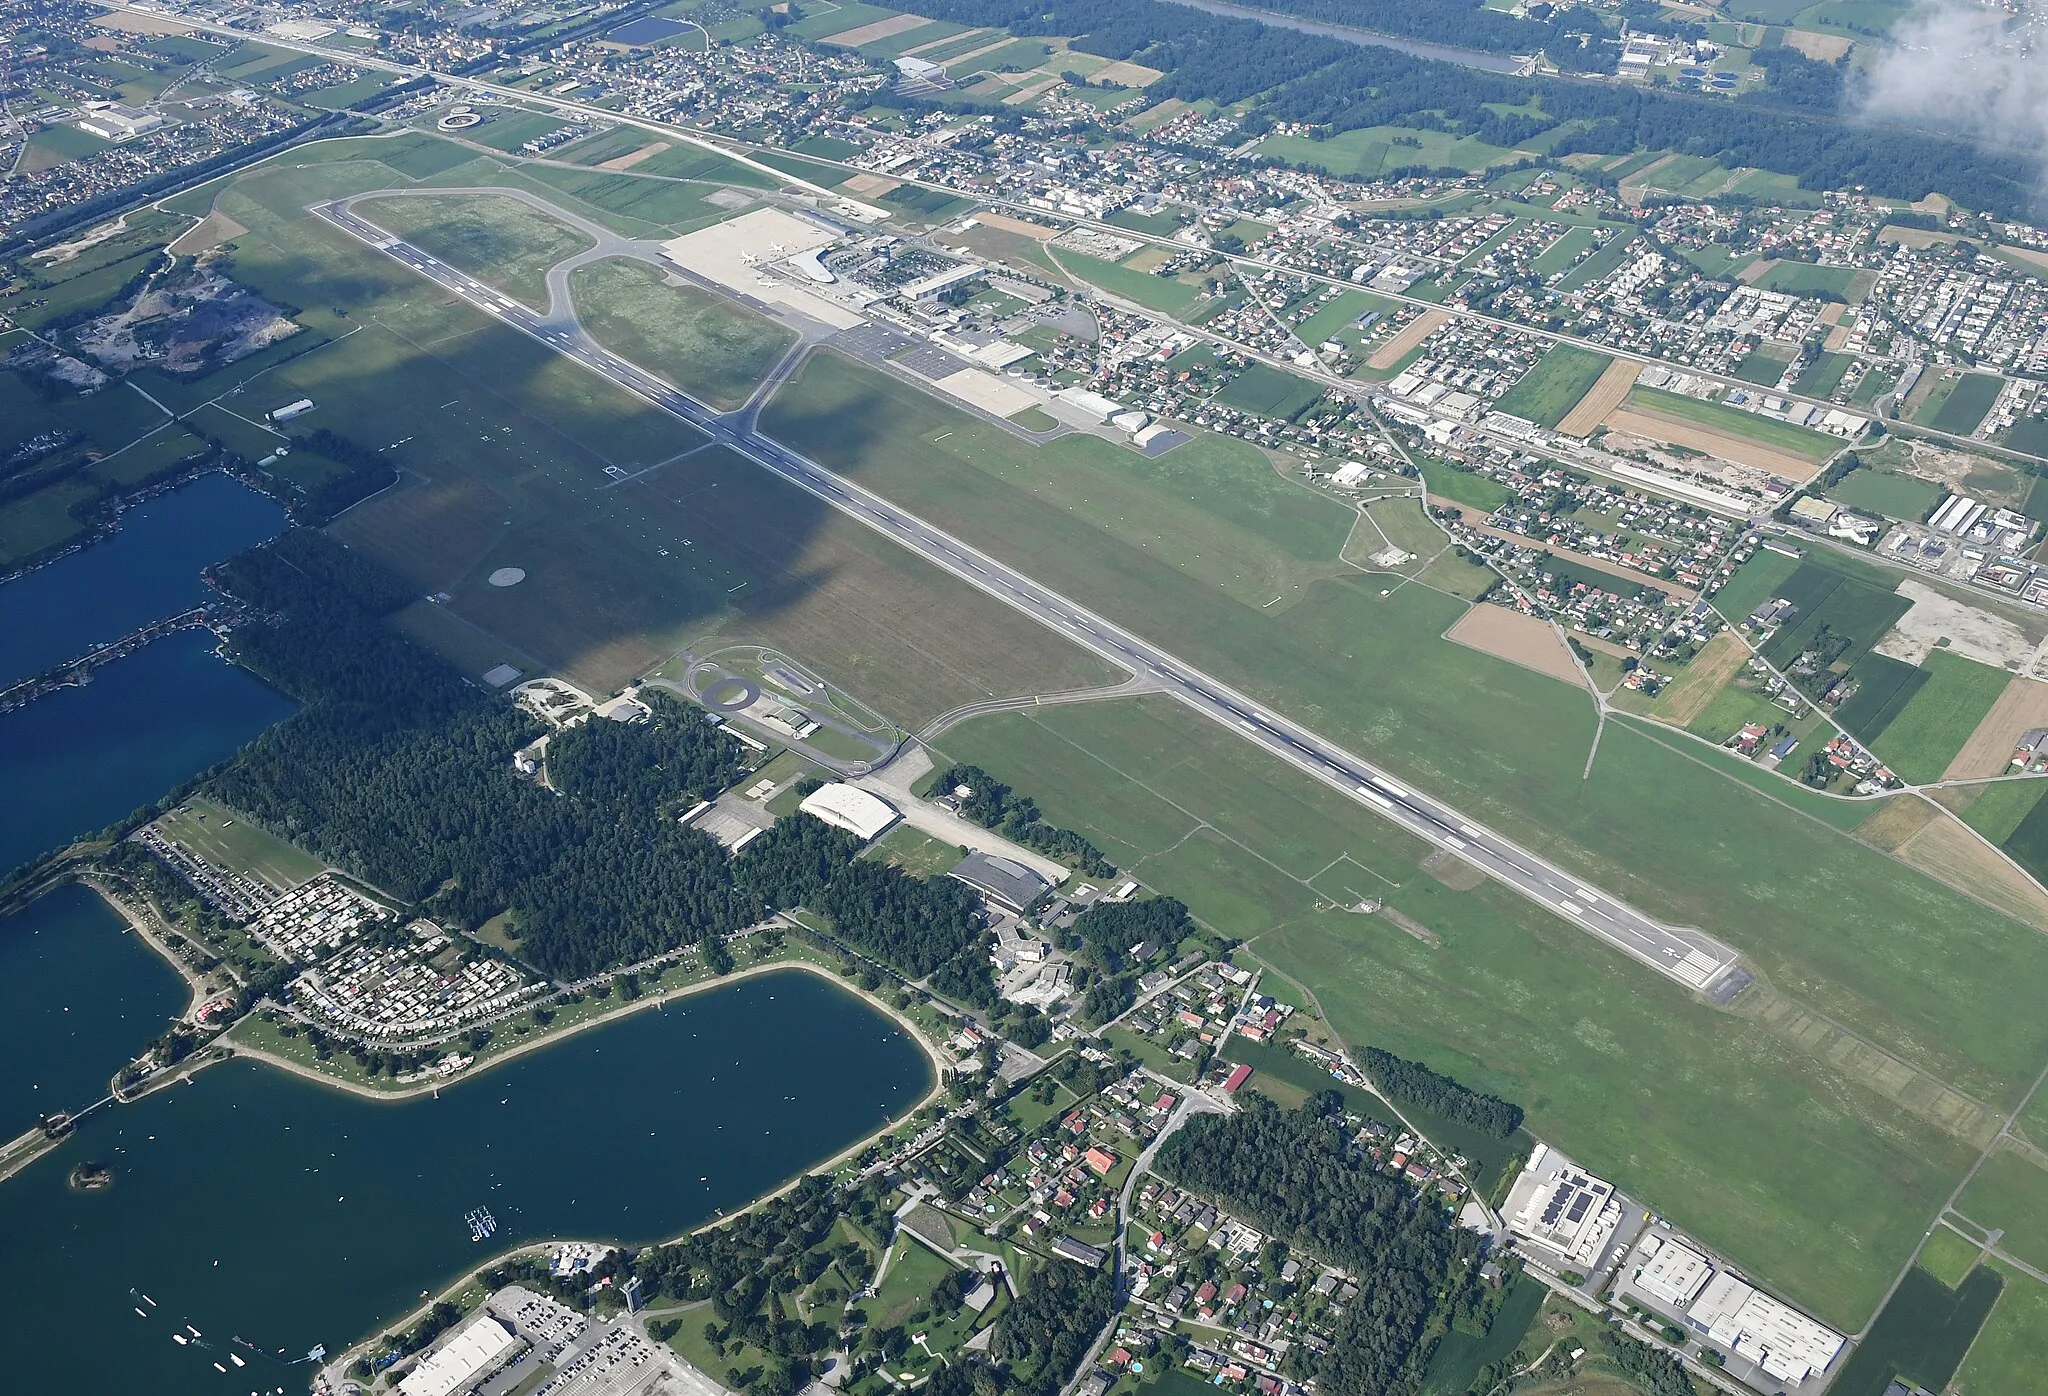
x: 1689, y: 957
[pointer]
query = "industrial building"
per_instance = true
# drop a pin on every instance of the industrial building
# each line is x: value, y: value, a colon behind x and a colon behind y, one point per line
x: 1778, y: 1338
x: 478, y: 1348
x: 1558, y: 1205
x: 1675, y: 1273
x: 1004, y: 881
x: 850, y: 808
x: 118, y: 123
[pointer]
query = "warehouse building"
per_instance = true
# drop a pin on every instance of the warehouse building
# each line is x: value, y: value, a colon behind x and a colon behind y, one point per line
x: 1004, y: 881
x: 1675, y: 1273
x: 476, y: 1350
x: 850, y: 808
x: 1778, y: 1338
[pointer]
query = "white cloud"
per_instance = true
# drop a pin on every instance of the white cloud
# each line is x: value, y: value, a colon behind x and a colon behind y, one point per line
x: 1959, y: 66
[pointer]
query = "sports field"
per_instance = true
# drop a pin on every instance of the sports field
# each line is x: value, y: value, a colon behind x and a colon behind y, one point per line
x: 1547, y: 393
x: 1940, y: 716
x: 499, y: 241
x: 712, y: 348
x: 219, y: 836
x: 1613, y: 1063
x: 506, y: 447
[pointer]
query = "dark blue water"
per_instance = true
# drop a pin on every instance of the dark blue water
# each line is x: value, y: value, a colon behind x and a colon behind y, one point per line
x: 78, y: 759
x: 147, y: 570
x: 254, y: 1203
x: 79, y: 997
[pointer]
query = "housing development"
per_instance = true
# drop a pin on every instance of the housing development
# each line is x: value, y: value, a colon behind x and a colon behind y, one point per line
x: 1058, y: 699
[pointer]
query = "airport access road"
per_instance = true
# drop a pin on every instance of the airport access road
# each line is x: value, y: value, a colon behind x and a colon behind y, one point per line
x: 1686, y: 956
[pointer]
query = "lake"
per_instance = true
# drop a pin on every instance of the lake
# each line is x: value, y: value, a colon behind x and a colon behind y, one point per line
x: 77, y: 759
x: 251, y: 1203
x: 148, y: 569
x: 79, y: 997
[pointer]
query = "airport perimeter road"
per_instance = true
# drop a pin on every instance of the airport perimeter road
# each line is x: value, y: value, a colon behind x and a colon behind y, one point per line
x: 1695, y: 960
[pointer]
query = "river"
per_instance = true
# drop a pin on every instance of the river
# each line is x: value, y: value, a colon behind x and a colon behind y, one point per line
x: 77, y: 759
x: 255, y: 1204
x: 1443, y: 53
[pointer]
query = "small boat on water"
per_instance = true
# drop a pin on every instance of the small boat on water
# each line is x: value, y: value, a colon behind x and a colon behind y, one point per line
x: 140, y: 1314
x: 218, y: 1368
x: 237, y: 1359
x: 193, y: 1331
x: 180, y: 1339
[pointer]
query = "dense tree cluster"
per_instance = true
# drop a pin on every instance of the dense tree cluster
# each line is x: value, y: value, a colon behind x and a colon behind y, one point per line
x: 361, y: 472
x: 1655, y: 1373
x: 1110, y: 929
x: 1412, y: 1083
x: 1569, y: 38
x: 921, y: 926
x: 1047, y: 1332
x: 1290, y: 1175
x: 1338, y: 86
x: 662, y: 766
x: 401, y: 772
x: 993, y: 805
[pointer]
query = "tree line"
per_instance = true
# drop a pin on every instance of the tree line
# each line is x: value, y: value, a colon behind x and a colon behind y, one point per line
x: 1412, y: 1083
x: 1339, y: 86
x: 1290, y: 1174
x: 993, y: 805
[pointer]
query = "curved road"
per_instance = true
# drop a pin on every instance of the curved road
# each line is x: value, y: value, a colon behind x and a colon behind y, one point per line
x: 1689, y: 957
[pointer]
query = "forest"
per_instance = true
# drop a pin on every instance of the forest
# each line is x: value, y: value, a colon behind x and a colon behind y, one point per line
x: 397, y: 770
x: 1289, y: 1173
x: 1412, y: 1083
x: 1337, y: 86
x: 993, y: 805
x: 1110, y: 929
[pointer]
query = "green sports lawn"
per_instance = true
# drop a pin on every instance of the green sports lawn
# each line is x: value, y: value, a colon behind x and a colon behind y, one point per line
x: 1550, y: 390
x: 1967, y: 403
x: 1932, y: 727
x: 1268, y: 392
x: 708, y: 346
x: 1613, y: 1064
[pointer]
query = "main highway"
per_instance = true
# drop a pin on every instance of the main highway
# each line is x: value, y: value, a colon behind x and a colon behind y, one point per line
x: 1689, y: 957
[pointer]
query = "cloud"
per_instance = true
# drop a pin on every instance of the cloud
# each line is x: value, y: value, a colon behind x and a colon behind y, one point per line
x: 1956, y: 66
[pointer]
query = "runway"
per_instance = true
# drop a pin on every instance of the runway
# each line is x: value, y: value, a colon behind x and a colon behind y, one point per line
x: 1688, y: 957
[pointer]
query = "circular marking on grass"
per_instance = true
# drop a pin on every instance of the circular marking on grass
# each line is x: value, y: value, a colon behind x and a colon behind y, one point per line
x: 508, y: 576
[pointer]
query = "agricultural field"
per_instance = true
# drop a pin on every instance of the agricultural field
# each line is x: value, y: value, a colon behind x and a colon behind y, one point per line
x: 1999, y: 809
x: 2010, y: 1194
x: 2009, y: 1351
x: 712, y: 348
x: 1931, y: 728
x: 1269, y: 393
x: 1922, y: 1333
x: 1948, y: 1257
x: 1374, y: 150
x: 1612, y: 1062
x: 1168, y: 295
x: 1893, y: 496
x: 1967, y: 403
x: 499, y: 241
x: 1781, y: 436
x: 1547, y: 392
x: 1805, y: 278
